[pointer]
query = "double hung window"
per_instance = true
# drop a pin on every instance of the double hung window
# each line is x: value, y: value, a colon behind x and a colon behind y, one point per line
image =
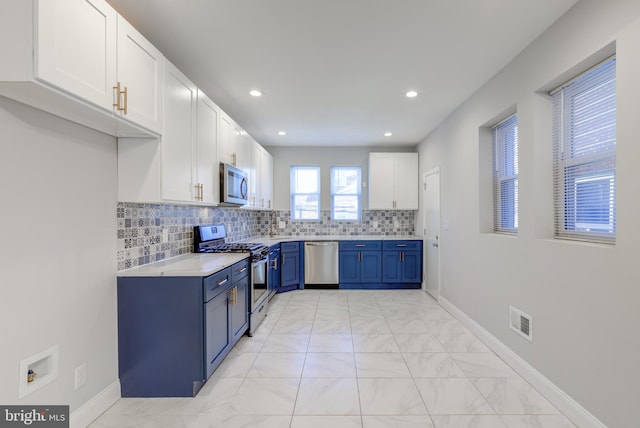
x: 305, y: 192
x: 505, y: 175
x: 584, y: 161
x: 345, y: 193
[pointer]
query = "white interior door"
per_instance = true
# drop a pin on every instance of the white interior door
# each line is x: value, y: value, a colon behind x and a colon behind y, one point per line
x: 431, y: 252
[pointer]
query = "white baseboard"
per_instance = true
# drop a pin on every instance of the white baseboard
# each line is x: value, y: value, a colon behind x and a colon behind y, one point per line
x: 567, y: 405
x: 96, y: 406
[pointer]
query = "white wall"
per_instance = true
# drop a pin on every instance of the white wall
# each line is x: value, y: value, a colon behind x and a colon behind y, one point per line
x: 57, y: 254
x: 325, y: 158
x: 584, y: 298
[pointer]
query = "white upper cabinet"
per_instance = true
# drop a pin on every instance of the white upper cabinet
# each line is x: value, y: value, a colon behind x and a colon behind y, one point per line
x: 266, y: 182
x: 76, y: 48
x: 182, y: 165
x: 233, y: 146
x: 70, y: 57
x: 261, y: 177
x: 243, y: 146
x: 255, y: 175
x: 139, y: 72
x: 393, y: 181
x: 226, y: 151
x: 178, y: 137
x: 206, y: 163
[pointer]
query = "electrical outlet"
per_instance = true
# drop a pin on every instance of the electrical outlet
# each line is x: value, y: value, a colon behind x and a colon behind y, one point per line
x: 282, y: 225
x: 374, y: 224
x: 165, y: 235
x: 396, y: 224
x: 81, y: 375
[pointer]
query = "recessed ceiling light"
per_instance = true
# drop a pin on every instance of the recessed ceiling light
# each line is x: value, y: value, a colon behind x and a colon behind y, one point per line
x: 255, y: 93
x: 388, y: 134
x: 412, y: 94
x: 282, y: 133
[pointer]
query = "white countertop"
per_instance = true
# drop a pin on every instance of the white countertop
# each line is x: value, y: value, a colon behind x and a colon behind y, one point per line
x: 194, y: 264
x: 198, y: 264
x: 269, y: 241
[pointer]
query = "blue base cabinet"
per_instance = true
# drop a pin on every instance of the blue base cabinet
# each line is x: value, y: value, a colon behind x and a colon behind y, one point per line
x: 359, y: 262
x: 239, y: 301
x: 289, y: 266
x: 173, y: 332
x: 402, y: 261
x: 380, y: 264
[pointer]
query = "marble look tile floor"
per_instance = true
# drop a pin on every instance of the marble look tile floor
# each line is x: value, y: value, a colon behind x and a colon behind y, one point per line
x: 352, y: 359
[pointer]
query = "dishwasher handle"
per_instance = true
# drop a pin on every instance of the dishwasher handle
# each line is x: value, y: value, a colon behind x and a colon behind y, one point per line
x: 320, y: 244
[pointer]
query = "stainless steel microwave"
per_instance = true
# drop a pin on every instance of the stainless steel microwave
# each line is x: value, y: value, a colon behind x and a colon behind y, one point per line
x: 234, y: 185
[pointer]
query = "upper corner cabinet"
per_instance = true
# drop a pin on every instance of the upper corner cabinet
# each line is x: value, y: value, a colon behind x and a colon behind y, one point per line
x: 89, y: 65
x: 393, y: 181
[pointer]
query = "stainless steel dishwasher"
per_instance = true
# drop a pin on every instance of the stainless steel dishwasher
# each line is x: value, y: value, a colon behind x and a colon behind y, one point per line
x: 321, y: 263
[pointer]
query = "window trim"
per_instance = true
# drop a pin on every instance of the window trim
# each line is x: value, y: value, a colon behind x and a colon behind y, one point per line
x: 293, y: 194
x: 358, y: 194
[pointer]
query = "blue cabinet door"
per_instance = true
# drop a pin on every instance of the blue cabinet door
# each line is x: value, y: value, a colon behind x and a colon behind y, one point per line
x: 239, y: 309
x: 216, y: 330
x: 391, y: 267
x: 290, y: 272
x: 349, y: 266
x: 411, y: 266
x: 370, y: 266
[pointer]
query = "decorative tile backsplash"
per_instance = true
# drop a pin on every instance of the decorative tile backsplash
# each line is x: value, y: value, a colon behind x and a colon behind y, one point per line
x: 141, y: 227
x: 372, y: 223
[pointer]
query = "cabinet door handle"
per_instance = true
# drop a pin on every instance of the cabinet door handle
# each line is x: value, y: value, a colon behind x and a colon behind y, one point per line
x: 232, y: 296
x: 126, y: 102
x: 119, y: 93
x: 284, y: 256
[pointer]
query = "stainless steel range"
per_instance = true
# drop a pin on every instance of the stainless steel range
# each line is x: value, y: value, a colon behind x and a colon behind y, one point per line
x: 210, y: 238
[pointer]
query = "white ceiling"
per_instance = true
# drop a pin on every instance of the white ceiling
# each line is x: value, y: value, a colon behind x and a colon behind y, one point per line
x: 335, y: 72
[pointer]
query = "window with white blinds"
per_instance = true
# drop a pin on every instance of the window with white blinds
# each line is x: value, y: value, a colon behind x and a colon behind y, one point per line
x: 505, y: 176
x: 584, y: 155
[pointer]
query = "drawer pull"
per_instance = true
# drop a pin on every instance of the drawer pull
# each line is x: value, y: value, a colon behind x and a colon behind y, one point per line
x: 361, y: 245
x: 222, y: 281
x: 401, y: 245
x: 242, y: 270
